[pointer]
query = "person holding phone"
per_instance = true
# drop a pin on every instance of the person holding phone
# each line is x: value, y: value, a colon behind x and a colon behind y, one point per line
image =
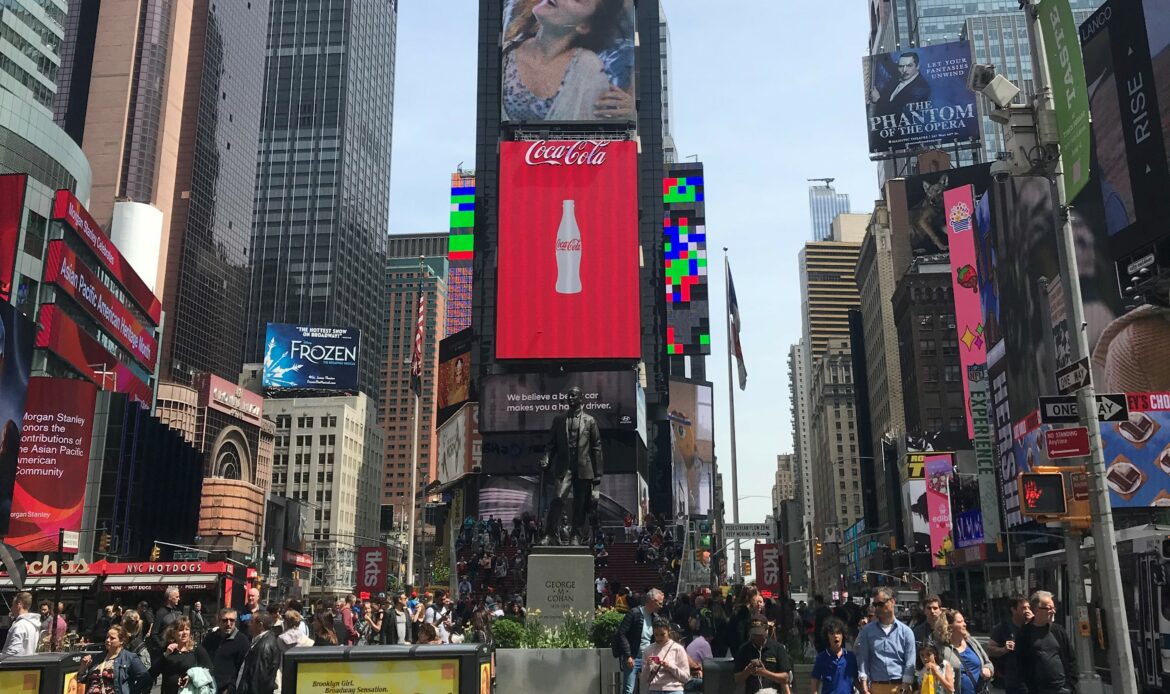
x: 665, y: 667
x: 762, y: 664
x: 119, y: 671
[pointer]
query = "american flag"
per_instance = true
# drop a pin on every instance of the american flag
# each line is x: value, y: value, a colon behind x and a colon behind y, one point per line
x: 733, y: 308
x: 416, y: 357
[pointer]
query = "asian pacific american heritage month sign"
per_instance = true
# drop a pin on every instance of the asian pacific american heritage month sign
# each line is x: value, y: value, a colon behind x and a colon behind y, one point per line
x: 939, y: 469
x: 919, y: 96
x: 53, y: 463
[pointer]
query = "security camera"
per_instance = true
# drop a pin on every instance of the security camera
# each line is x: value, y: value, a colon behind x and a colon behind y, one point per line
x: 998, y: 89
x: 1001, y: 170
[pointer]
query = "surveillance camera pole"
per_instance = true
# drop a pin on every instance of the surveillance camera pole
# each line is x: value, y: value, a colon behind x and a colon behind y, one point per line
x: 1121, y: 662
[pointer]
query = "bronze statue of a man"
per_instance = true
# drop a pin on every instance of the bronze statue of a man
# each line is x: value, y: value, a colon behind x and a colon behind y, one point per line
x: 573, y: 459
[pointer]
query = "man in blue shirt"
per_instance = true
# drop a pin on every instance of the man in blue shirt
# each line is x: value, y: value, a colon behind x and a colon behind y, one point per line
x: 885, y: 650
x: 835, y: 668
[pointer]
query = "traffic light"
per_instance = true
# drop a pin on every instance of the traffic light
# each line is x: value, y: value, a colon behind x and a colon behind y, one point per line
x: 154, y: 553
x: 820, y: 549
x: 865, y: 577
x: 1042, y: 494
x: 104, y: 542
x: 747, y: 568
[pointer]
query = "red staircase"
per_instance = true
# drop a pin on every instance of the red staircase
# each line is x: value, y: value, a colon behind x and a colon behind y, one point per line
x: 622, y: 569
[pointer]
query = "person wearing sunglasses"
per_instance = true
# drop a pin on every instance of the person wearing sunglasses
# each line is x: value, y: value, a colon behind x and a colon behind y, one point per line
x: 885, y: 650
x: 1044, y: 650
x: 227, y: 647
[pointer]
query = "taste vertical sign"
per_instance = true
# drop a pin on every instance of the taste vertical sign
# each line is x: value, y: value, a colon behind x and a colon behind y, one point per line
x: 53, y: 464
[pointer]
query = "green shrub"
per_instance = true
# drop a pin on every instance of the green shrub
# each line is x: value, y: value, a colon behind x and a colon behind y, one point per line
x: 605, y: 626
x: 508, y: 633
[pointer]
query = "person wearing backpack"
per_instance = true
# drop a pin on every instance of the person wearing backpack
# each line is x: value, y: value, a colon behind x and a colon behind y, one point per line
x: 634, y: 636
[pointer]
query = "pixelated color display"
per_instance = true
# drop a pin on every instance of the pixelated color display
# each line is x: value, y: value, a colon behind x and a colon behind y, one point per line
x: 682, y: 189
x: 460, y: 252
x: 684, y: 235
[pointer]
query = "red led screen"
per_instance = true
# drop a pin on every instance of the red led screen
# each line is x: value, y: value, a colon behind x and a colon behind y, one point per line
x: 60, y: 335
x: 53, y: 462
x: 64, y: 270
x: 12, y: 188
x: 568, y: 251
x: 67, y: 209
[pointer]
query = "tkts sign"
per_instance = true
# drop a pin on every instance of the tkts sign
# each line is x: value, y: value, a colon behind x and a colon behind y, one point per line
x: 769, y: 569
x: 372, y: 563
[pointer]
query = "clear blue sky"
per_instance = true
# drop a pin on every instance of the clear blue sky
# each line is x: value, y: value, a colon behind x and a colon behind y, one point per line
x: 766, y: 93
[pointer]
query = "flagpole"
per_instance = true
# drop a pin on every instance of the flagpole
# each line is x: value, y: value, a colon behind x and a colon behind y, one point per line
x: 731, y: 405
x: 417, y: 388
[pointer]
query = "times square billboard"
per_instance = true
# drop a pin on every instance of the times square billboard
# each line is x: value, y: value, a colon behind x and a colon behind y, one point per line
x: 588, y: 77
x: 568, y: 253
x: 310, y: 358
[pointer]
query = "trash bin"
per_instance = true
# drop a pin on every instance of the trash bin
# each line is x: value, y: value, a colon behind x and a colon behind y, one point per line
x: 43, y: 673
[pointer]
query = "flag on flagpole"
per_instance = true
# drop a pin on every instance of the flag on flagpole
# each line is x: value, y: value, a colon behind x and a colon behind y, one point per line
x: 733, y: 308
x: 416, y: 368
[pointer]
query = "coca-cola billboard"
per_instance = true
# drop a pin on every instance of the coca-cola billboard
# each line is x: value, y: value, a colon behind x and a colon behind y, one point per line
x: 568, y: 251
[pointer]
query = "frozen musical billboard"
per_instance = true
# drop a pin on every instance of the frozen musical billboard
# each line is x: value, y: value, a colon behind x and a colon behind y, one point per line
x: 919, y: 97
x: 568, y: 251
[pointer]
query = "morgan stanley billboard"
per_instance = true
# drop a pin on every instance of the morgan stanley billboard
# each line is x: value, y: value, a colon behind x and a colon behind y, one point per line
x: 919, y: 97
x: 298, y: 356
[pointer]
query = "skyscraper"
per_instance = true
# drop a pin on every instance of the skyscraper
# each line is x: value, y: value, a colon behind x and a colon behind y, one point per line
x: 824, y: 204
x: 322, y: 197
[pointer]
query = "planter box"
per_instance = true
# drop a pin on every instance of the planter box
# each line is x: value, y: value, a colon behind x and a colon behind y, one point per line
x: 561, y: 670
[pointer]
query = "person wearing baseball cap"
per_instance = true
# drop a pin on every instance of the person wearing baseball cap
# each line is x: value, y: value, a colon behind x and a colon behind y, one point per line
x: 762, y: 664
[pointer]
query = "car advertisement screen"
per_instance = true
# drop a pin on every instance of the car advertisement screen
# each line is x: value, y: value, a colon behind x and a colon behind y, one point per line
x: 568, y: 251
x: 529, y: 402
x: 16, y: 349
x: 53, y: 463
x: 568, y: 61
x: 919, y: 96
x: 300, y: 356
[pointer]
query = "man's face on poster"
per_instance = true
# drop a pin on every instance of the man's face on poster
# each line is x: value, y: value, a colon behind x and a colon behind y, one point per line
x: 907, y: 68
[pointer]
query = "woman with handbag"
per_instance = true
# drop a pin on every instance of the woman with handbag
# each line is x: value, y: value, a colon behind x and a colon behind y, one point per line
x: 665, y: 667
x: 119, y: 672
x: 968, y: 660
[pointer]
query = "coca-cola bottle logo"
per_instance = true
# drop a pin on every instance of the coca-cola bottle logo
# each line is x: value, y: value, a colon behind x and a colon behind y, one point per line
x: 579, y: 153
x: 569, y: 245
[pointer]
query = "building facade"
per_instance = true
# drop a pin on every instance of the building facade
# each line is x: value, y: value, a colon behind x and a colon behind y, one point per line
x: 404, y: 278
x: 824, y: 204
x: 798, y: 390
x: 326, y: 456
x: 322, y: 193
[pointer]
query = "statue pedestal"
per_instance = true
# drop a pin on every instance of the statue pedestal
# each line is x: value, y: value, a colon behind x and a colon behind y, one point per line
x: 560, y: 579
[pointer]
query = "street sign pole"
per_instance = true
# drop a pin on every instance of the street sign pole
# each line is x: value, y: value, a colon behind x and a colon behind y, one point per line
x: 1054, y: 18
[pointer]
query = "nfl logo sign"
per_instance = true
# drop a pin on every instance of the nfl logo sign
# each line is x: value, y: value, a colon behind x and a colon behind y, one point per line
x: 959, y: 218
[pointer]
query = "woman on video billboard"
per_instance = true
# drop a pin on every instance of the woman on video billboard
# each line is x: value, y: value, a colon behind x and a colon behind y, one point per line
x: 568, y: 60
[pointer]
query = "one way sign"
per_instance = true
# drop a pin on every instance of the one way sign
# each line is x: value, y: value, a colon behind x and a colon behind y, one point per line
x: 1059, y: 409
x: 1112, y: 407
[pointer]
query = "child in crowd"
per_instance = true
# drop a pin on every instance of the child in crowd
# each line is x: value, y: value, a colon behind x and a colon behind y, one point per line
x: 836, y: 667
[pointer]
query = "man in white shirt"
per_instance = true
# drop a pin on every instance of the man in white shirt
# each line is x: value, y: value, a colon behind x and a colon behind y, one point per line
x: 439, y: 614
x: 600, y: 584
x: 24, y: 633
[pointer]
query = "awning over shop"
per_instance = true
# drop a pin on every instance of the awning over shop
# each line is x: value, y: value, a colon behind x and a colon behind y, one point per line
x: 49, y: 582
x: 160, y: 581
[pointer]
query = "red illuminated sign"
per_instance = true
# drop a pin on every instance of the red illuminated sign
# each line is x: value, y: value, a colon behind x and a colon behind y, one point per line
x: 12, y: 187
x: 59, y: 334
x: 47, y: 566
x: 67, y: 209
x: 53, y: 462
x: 568, y: 251
x: 303, y: 561
x: 1067, y: 443
x: 770, y: 569
x: 371, y: 566
x: 63, y: 269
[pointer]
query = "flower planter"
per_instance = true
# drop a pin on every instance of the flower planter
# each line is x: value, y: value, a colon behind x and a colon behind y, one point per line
x: 561, y: 670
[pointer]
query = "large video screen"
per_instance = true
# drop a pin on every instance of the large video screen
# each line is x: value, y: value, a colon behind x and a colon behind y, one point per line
x: 16, y: 350
x: 565, y: 60
x: 12, y: 187
x: 568, y: 251
x: 529, y: 402
x: 692, y: 447
x: 300, y: 356
x: 919, y: 96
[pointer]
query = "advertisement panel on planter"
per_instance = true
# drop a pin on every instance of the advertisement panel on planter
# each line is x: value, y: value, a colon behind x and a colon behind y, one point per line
x: 301, y: 356
x: 16, y: 351
x: 568, y: 251
x: 594, y: 70
x: 53, y: 464
x: 919, y: 97
x: 69, y: 210
x: 79, y: 282
x: 453, y: 384
x: 940, y: 470
x: 432, y: 675
x: 529, y: 402
x: 12, y: 188
x: 372, y: 565
x: 60, y: 335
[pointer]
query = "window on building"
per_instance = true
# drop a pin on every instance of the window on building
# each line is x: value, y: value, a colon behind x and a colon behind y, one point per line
x: 952, y: 373
x: 930, y: 374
